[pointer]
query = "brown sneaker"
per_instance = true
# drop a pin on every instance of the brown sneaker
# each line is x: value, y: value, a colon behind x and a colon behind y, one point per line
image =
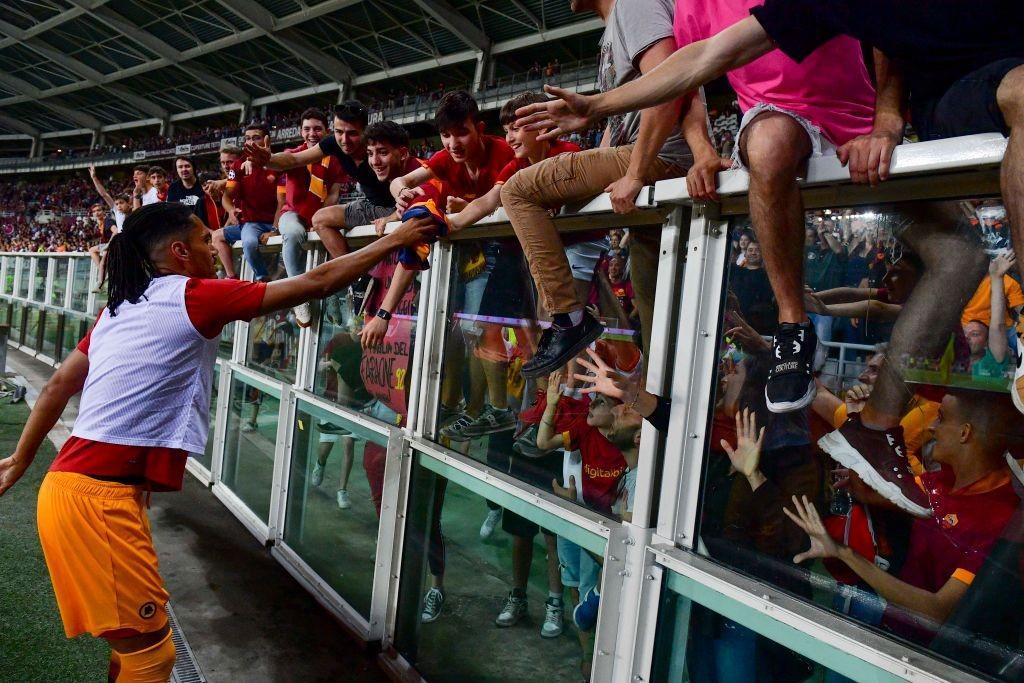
x: 879, y: 457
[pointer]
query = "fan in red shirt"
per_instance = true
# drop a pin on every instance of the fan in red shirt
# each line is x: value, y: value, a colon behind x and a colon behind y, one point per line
x: 972, y: 500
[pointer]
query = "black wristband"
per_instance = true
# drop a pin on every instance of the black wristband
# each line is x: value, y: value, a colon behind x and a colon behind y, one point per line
x: 383, y: 314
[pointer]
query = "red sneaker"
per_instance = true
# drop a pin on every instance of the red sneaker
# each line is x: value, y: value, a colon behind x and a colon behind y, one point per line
x: 880, y: 458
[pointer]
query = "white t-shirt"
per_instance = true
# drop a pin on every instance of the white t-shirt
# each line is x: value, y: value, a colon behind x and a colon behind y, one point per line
x: 119, y: 217
x: 151, y: 197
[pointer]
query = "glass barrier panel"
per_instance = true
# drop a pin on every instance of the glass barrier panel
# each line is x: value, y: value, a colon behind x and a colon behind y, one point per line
x: 7, y: 285
x: 17, y: 321
x: 905, y: 442
x: 39, y: 281
x: 75, y: 329
x: 227, y: 341
x: 24, y: 274
x: 470, y: 567
x: 51, y: 326
x: 363, y: 362
x: 33, y: 319
x: 333, y: 509
x: 5, y: 312
x: 206, y: 457
x: 488, y: 411
x: 273, y: 344
x: 60, y: 282
x: 251, y: 437
x: 694, y: 643
x: 80, y: 284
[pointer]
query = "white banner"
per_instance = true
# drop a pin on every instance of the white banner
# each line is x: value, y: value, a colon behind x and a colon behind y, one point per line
x: 139, y: 155
x: 183, y: 149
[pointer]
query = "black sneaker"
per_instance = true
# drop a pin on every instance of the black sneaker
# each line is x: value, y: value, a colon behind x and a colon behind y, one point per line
x: 880, y: 458
x: 558, y: 345
x: 790, y: 383
x: 526, y: 443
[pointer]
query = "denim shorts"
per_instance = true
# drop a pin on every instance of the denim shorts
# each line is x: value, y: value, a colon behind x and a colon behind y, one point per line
x: 579, y: 569
x: 820, y: 145
x: 969, y: 105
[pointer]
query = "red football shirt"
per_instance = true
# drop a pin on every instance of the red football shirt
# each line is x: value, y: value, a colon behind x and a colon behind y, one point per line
x: 517, y: 164
x: 255, y: 194
x: 603, y: 464
x: 306, y: 187
x: 211, y: 304
x: 456, y: 178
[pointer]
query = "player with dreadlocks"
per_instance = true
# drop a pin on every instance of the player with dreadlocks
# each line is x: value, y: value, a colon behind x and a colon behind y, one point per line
x: 145, y: 372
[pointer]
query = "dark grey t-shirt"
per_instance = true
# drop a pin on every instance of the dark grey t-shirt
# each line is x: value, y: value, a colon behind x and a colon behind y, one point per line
x: 633, y: 27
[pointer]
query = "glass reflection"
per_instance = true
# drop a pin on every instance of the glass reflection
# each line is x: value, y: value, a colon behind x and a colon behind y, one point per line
x: 206, y: 457
x: 50, y: 321
x: 334, y: 508
x: 273, y: 342
x: 33, y: 318
x: 60, y: 282
x: 80, y: 284
x: 251, y: 438
x: 24, y: 274
x: 513, y: 589
x: 488, y: 411
x: 39, y: 282
x: 75, y: 328
x: 897, y: 487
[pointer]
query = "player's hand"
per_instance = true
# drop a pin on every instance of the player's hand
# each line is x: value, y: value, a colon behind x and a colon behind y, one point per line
x: 556, y: 117
x: 415, y: 231
x: 11, y: 470
x: 247, y: 167
x: 406, y: 197
x: 868, y: 156
x: 701, y: 179
x: 373, y: 332
x: 92, y: 170
x: 569, y: 493
x: 258, y: 153
x: 624, y: 192
x: 1001, y: 264
x: 807, y: 518
x: 455, y: 204
x: 746, y: 457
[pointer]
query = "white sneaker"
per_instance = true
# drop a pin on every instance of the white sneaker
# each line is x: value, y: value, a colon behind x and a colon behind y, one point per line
x: 490, y: 523
x: 303, y: 315
x: 554, y: 611
x: 512, y: 611
x: 249, y: 427
x: 432, y: 603
x: 318, y: 475
x: 343, y: 499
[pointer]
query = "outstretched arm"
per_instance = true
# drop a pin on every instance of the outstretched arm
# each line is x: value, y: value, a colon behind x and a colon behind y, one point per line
x: 997, y: 342
x: 337, y: 273
x: 481, y: 207
x: 98, y: 184
x: 67, y: 381
x: 282, y: 161
x: 690, y: 67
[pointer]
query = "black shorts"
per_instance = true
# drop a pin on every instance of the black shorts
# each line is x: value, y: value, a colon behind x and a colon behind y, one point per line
x: 969, y: 105
x: 520, y: 527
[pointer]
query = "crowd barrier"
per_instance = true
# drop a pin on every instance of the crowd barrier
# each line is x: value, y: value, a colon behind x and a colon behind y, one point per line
x: 280, y: 405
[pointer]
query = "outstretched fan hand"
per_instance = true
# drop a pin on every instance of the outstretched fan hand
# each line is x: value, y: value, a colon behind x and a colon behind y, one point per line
x: 571, y: 112
x: 259, y: 154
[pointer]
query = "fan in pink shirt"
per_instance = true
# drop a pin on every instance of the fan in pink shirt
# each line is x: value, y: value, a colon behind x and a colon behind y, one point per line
x: 830, y: 89
x: 791, y: 112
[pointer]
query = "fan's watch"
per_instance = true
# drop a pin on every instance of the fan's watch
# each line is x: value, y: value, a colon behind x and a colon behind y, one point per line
x: 383, y: 314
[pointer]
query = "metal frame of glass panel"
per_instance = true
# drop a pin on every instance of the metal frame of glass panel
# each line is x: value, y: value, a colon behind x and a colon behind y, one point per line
x: 655, y: 551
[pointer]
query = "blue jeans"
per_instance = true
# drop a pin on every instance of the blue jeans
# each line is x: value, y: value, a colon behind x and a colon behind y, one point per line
x: 250, y: 233
x: 293, y: 237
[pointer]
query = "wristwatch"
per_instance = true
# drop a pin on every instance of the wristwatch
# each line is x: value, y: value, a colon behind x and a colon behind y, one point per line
x: 383, y: 314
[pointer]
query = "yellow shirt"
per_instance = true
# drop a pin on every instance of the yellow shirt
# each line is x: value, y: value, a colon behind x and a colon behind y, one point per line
x: 980, y: 306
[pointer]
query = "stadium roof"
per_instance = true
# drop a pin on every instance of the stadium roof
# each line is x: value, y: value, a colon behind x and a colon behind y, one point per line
x: 100, y: 64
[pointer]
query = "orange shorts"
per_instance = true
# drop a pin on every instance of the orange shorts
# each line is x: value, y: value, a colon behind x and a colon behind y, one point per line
x: 95, y: 536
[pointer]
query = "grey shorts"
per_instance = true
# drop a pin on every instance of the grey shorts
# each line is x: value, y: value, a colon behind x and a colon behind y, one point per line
x: 820, y: 145
x: 363, y: 212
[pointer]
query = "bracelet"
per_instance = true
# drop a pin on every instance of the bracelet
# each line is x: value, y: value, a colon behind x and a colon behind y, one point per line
x: 631, y: 405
